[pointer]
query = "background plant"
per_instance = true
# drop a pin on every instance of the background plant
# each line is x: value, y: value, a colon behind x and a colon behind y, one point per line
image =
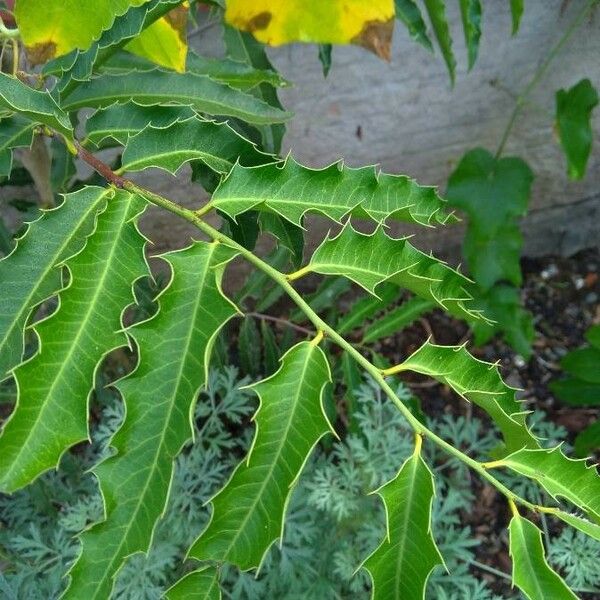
x: 88, y: 257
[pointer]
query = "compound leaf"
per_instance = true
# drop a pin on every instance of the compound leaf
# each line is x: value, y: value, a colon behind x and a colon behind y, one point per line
x: 403, y: 562
x: 51, y: 411
x: 368, y: 24
x: 408, y: 12
x: 174, y: 348
x: 573, y: 115
x: 165, y: 87
x: 478, y: 382
x: 291, y: 190
x: 531, y: 572
x: 559, y: 475
x: 29, y: 275
x: 202, y: 584
x: 37, y: 106
x: 371, y: 259
x: 436, y: 9
x: 216, y: 145
x: 248, y: 513
x: 470, y: 12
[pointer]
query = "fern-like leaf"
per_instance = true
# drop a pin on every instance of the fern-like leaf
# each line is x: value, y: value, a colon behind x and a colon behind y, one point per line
x: 29, y: 274
x: 477, y: 382
x: 174, y: 349
x: 403, y: 562
x: 531, y: 572
x: 51, y: 410
x: 292, y: 190
x: 371, y: 259
x: 248, y: 513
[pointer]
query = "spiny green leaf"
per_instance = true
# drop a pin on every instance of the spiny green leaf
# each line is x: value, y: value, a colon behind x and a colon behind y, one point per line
x: 493, y: 192
x: 470, y: 12
x: 436, y: 10
x: 174, y: 348
x: 51, y: 411
x: 291, y: 190
x: 371, y: 259
x: 585, y: 526
x: 366, y: 307
x: 478, y: 382
x: 121, y: 121
x: 37, y: 106
x: 408, y: 12
x: 560, y: 476
x: 573, y: 115
x: 395, y: 320
x: 516, y: 10
x: 403, y: 562
x: 78, y: 65
x: 248, y: 513
x: 164, y: 87
x: 531, y: 572
x: 53, y: 29
x: 15, y: 132
x: 242, y: 76
x: 202, y: 584
x: 216, y: 145
x: 29, y: 275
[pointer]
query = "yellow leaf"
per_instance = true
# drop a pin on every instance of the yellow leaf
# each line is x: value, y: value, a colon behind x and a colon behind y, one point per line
x: 367, y: 23
x: 165, y: 41
x: 52, y: 28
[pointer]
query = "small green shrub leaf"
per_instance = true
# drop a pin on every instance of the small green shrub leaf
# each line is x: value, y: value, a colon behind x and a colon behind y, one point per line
x: 492, y: 192
x: 202, y: 584
x: 470, y: 12
x: 531, y: 572
x: 369, y: 260
x: 366, y: 307
x: 396, y: 319
x: 588, y: 440
x: 409, y: 13
x: 164, y: 87
x: 436, y: 9
x: 559, y: 475
x: 248, y: 513
x: 37, y: 106
x: 583, y: 363
x: 573, y: 115
x: 29, y: 275
x: 403, y: 562
x: 576, y: 392
x: 174, y: 348
x: 51, y: 411
x: 478, y: 382
x: 217, y: 145
x: 291, y: 190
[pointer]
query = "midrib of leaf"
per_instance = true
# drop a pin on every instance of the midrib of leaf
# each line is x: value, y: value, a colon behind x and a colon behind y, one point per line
x: 530, y: 566
x: 406, y: 520
x: 167, y: 422
x: 280, y: 446
x: 74, y: 345
x: 27, y: 305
